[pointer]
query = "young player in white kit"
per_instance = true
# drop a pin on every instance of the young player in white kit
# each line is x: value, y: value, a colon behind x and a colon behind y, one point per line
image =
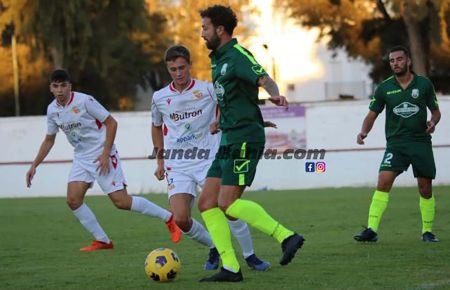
x: 91, y: 130
x: 182, y: 113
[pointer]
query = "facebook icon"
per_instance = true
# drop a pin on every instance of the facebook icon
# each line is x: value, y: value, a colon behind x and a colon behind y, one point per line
x: 310, y: 167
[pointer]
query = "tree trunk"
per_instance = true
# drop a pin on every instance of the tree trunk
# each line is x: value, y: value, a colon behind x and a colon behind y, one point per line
x: 15, y: 74
x: 416, y: 43
x: 56, y: 58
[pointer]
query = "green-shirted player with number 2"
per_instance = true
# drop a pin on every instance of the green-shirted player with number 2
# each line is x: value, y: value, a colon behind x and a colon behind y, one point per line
x: 406, y: 97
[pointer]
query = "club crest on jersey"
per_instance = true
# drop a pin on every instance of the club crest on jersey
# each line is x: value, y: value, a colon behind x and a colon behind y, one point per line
x: 168, y: 100
x: 75, y: 110
x: 197, y: 94
x: 415, y: 93
x: 223, y: 71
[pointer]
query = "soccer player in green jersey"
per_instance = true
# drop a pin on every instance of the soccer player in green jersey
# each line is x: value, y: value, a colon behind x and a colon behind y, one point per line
x: 236, y: 77
x: 406, y: 97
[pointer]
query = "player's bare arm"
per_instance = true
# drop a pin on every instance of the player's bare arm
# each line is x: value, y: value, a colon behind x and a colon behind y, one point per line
x: 271, y: 88
x: 103, y: 160
x: 158, y: 144
x: 45, y: 148
x: 367, y: 125
x: 435, y: 118
x: 214, y: 126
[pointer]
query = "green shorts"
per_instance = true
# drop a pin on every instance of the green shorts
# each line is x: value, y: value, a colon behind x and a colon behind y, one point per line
x: 236, y: 163
x: 399, y: 156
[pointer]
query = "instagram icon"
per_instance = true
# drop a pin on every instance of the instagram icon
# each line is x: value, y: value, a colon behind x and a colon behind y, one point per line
x: 321, y: 167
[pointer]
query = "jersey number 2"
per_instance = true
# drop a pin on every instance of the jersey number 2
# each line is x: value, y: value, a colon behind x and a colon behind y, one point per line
x: 387, y: 159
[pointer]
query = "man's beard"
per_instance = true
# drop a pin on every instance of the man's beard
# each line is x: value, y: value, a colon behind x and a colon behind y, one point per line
x: 402, y: 72
x: 213, y: 43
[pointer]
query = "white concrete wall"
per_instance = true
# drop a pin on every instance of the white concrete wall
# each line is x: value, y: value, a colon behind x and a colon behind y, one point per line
x: 331, y: 126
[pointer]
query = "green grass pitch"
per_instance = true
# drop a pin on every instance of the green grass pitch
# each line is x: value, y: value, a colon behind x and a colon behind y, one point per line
x: 40, y: 241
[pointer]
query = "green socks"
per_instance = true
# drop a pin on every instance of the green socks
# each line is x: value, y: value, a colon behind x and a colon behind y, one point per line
x: 256, y: 216
x: 379, y: 203
x: 218, y: 228
x: 427, y: 209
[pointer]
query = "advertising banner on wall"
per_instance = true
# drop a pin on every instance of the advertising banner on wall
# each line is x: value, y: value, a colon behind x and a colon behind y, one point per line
x: 291, y: 131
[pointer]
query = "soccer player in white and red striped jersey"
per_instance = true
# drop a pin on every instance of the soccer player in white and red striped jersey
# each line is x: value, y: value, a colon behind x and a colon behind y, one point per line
x: 182, y: 113
x: 91, y: 130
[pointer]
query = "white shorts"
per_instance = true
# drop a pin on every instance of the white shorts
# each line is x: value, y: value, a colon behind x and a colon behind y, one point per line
x: 86, y: 170
x: 186, y: 181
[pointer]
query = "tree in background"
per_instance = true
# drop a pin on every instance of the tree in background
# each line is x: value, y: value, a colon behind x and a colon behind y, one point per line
x: 367, y: 28
x: 109, y: 47
x: 184, y: 26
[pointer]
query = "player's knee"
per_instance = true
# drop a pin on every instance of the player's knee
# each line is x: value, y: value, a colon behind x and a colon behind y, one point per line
x: 74, y: 203
x: 224, y: 204
x: 205, y: 204
x: 384, y: 186
x: 425, y: 192
x: 183, y: 222
x: 122, y: 204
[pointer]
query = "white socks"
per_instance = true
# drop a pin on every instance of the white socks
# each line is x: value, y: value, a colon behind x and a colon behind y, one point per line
x: 240, y: 230
x: 199, y: 234
x: 144, y: 206
x: 87, y: 218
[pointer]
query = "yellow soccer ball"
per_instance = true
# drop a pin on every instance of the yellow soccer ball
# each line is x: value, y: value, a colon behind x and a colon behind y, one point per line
x: 162, y: 265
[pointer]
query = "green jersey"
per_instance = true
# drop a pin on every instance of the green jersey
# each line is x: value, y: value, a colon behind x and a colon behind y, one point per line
x: 406, y: 109
x: 235, y: 74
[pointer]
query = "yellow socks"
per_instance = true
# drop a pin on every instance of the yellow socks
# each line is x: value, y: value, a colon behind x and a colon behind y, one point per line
x: 256, y: 216
x: 218, y: 228
x: 427, y: 209
x: 379, y: 203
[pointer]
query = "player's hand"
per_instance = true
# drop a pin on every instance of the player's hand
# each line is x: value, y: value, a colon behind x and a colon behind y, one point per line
x: 279, y: 101
x: 431, y: 126
x: 270, y: 124
x: 360, y: 138
x: 30, y: 174
x: 160, y: 171
x: 214, y: 128
x: 103, y: 164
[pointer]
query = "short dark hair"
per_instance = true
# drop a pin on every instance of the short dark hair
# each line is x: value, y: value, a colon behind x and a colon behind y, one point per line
x: 177, y: 51
x: 59, y: 76
x: 221, y: 15
x: 400, y: 48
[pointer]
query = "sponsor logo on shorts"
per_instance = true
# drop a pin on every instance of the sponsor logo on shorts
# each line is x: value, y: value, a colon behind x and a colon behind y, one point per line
x: 241, y: 165
x: 170, y: 184
x: 406, y: 110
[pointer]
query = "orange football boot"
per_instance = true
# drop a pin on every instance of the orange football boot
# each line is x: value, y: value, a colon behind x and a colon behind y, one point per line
x: 175, y: 231
x: 98, y: 245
